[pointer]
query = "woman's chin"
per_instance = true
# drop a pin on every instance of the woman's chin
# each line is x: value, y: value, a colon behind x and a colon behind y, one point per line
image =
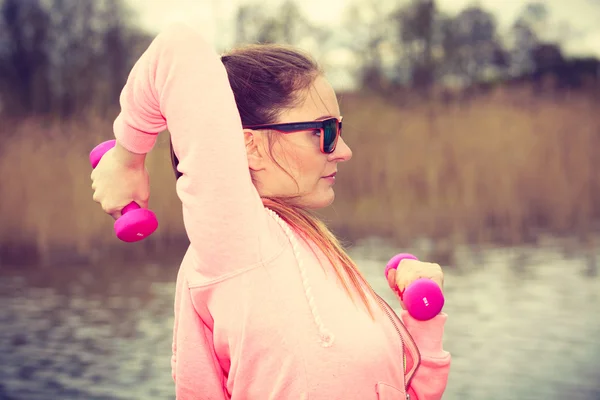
x: 320, y: 200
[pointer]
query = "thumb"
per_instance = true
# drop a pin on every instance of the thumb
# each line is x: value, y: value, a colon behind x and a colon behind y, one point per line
x: 391, y: 278
x: 141, y: 198
x: 143, y: 203
x: 116, y: 214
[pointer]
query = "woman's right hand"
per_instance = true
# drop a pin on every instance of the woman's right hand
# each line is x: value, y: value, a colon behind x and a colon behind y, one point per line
x: 120, y: 178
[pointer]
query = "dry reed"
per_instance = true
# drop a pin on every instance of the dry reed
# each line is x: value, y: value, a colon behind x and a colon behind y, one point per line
x: 502, y: 167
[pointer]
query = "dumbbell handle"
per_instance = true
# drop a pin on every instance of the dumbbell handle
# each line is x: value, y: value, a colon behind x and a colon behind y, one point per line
x: 130, y: 207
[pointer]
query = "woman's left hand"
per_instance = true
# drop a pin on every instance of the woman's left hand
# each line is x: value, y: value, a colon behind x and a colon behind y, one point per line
x: 410, y: 270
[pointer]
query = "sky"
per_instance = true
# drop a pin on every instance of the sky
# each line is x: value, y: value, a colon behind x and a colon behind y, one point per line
x: 214, y: 17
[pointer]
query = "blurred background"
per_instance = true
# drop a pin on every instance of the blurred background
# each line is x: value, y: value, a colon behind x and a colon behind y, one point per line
x: 475, y: 128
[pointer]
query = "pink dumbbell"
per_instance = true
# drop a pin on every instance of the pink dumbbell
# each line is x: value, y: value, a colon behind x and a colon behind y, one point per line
x: 423, y: 298
x: 135, y: 223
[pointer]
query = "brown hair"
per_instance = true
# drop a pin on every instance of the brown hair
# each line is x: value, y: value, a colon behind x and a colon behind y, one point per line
x: 267, y: 79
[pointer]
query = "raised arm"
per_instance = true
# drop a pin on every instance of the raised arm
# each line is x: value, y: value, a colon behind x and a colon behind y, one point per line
x: 180, y: 84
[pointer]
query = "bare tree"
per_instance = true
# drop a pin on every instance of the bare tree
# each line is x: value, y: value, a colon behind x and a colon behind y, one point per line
x: 24, y: 63
x: 472, y: 47
x: 64, y: 56
x: 286, y: 24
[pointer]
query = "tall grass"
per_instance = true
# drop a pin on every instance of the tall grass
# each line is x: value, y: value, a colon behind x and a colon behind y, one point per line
x: 499, y: 168
x: 503, y: 167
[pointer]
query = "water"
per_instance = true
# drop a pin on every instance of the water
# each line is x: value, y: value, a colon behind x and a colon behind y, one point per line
x: 523, y: 324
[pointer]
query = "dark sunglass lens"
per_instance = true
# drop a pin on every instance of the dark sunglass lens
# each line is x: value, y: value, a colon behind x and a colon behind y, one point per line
x: 329, y: 135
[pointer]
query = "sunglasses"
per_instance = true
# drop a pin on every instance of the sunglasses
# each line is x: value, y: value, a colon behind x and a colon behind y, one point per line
x: 331, y: 130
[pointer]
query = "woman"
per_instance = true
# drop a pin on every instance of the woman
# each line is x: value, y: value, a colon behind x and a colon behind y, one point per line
x: 267, y: 305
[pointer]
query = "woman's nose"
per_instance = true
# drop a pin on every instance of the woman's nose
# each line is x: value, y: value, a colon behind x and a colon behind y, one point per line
x: 342, y: 151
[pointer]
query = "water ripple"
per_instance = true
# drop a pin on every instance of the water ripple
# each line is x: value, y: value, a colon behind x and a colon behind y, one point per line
x: 524, y: 323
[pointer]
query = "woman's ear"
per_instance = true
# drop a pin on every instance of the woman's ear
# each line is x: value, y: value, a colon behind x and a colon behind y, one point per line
x: 254, y: 151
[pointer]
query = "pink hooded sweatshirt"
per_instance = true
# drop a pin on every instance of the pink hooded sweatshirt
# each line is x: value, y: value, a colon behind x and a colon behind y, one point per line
x: 258, y: 313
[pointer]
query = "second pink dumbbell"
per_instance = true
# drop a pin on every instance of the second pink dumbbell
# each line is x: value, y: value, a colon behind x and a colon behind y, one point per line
x: 423, y: 298
x: 135, y: 223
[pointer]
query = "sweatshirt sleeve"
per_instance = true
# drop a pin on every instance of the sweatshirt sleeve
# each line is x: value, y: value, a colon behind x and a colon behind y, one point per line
x: 180, y: 84
x: 430, y: 379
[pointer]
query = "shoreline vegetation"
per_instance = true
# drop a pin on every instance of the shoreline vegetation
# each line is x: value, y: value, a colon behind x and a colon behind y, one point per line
x: 506, y: 167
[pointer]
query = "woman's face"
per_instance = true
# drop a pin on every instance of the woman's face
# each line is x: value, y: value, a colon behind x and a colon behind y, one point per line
x: 310, y: 173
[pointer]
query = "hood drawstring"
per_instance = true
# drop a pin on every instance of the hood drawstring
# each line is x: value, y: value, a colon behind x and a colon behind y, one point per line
x: 326, y: 338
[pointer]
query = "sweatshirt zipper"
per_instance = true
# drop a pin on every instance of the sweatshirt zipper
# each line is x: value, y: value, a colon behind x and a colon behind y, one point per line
x: 412, y: 345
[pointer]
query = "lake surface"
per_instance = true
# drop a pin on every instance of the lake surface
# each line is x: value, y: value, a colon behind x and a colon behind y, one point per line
x: 524, y: 323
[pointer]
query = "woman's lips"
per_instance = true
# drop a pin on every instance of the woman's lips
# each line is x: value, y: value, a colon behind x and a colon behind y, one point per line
x: 330, y: 178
